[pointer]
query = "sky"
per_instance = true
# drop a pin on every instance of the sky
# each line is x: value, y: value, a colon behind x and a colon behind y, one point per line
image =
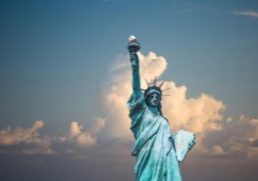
x: 65, y: 80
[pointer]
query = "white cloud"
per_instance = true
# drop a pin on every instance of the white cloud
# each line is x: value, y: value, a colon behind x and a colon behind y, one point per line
x: 30, y: 141
x: 236, y: 137
x: 245, y: 13
x: 199, y: 114
x: 75, y: 129
x: 203, y: 114
x: 78, y: 135
x: 35, y: 143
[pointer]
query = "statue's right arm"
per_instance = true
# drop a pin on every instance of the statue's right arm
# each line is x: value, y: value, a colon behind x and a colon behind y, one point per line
x: 136, y: 80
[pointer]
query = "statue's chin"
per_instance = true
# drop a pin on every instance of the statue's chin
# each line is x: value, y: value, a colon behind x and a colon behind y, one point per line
x: 153, y: 105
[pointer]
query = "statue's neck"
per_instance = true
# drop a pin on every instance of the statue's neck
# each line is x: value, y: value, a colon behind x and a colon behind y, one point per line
x: 155, y: 110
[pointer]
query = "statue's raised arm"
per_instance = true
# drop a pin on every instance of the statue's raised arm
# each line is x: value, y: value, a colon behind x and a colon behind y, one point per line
x: 133, y: 47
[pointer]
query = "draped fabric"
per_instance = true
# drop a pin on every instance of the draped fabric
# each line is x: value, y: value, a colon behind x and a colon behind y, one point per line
x: 153, y: 147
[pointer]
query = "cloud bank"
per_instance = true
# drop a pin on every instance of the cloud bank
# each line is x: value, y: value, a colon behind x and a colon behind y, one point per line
x: 216, y: 135
x: 236, y: 139
x: 29, y: 139
x: 196, y: 114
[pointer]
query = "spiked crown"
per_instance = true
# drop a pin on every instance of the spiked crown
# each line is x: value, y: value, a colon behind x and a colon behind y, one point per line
x: 152, y: 87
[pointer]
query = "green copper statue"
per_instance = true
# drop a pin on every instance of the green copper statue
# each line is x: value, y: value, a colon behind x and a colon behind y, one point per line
x: 157, y: 149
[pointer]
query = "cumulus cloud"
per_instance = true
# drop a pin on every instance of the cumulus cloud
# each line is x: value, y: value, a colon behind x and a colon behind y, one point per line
x: 81, y: 137
x: 28, y: 139
x: 236, y: 139
x: 197, y: 114
x: 200, y: 114
x: 216, y: 135
x: 249, y: 13
x: 77, y: 133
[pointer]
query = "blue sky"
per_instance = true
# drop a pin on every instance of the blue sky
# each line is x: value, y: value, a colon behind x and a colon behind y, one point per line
x: 55, y: 55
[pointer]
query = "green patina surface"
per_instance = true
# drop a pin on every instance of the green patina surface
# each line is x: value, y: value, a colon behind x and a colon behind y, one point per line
x: 156, y: 156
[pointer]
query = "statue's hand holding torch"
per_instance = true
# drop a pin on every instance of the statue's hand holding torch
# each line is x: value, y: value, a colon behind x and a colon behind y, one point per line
x: 133, y: 47
x: 133, y: 44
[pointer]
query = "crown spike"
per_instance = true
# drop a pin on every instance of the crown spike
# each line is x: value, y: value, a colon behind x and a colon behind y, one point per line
x: 155, y: 80
x: 161, y: 84
x: 166, y: 89
x: 147, y: 82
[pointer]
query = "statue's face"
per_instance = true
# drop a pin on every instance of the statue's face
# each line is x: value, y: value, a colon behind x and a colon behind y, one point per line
x: 153, y: 99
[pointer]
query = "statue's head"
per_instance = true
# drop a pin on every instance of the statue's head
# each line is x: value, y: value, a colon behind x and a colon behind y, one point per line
x: 153, y: 96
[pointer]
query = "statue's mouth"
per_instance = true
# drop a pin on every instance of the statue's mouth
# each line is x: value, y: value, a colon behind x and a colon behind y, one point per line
x: 155, y: 102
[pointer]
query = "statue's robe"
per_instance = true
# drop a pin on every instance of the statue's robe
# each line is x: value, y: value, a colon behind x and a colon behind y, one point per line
x: 153, y: 147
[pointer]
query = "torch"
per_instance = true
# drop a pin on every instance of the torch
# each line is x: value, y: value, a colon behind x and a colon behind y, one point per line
x: 133, y: 44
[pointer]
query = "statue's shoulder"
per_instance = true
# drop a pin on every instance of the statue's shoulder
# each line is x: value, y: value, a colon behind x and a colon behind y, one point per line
x: 136, y: 104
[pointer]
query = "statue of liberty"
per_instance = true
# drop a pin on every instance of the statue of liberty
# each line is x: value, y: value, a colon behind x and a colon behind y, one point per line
x: 157, y: 149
